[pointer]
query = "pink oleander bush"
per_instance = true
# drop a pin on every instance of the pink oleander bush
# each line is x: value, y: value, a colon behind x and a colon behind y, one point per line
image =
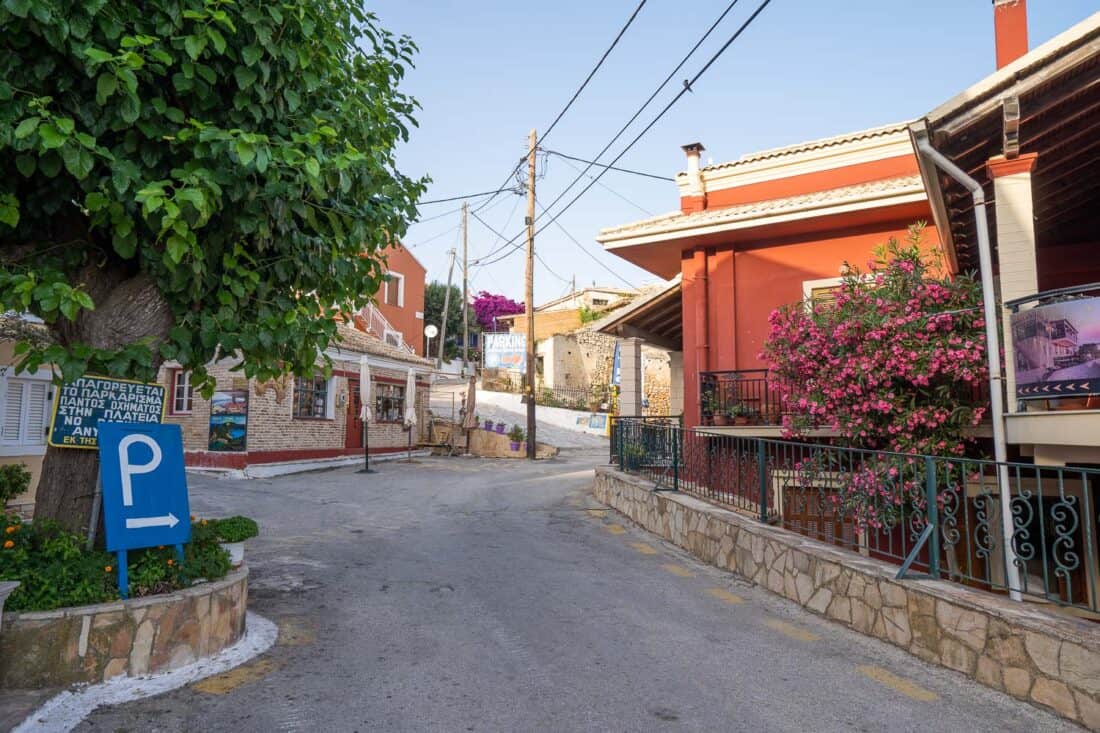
x: 894, y: 364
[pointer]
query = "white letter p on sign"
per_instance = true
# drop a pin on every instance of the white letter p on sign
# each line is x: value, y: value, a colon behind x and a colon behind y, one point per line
x: 128, y: 469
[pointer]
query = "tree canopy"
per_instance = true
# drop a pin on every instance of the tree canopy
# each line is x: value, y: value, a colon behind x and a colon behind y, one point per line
x: 434, y: 295
x: 192, y: 177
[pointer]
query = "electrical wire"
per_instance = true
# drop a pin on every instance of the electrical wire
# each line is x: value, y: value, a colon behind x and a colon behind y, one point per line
x: 609, y: 167
x: 618, y: 37
x: 592, y: 73
x: 613, y: 192
x: 688, y: 84
x: 464, y: 196
x: 584, y: 249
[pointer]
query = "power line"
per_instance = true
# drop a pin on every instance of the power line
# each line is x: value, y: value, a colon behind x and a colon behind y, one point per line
x: 618, y: 37
x: 582, y: 248
x: 437, y: 216
x: 644, y: 105
x: 464, y: 196
x: 592, y: 73
x: 609, y: 167
x: 613, y: 192
x: 688, y: 84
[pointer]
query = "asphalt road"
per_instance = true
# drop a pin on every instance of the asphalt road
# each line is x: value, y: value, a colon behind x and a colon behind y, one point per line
x: 470, y: 595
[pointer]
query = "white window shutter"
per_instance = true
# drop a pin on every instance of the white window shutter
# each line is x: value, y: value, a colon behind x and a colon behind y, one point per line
x: 37, y: 413
x: 13, y: 412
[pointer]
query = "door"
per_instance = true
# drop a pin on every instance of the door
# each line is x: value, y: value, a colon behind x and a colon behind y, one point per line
x: 354, y: 432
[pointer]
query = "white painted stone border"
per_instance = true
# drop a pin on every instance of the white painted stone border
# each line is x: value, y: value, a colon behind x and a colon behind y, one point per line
x: 66, y: 710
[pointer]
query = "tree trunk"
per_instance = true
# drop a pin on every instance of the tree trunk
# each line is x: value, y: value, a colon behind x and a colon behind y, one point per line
x: 129, y: 308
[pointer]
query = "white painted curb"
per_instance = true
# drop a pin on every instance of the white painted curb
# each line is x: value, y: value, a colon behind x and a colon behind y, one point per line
x: 66, y: 710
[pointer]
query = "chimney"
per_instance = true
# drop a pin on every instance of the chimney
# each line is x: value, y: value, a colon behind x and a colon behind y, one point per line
x: 693, y: 196
x: 1010, y: 26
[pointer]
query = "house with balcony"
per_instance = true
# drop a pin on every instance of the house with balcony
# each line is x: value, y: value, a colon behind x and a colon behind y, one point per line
x: 397, y: 317
x: 757, y: 233
x: 775, y: 227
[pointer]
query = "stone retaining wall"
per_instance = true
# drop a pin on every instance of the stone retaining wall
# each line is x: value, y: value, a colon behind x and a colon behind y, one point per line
x: 134, y: 637
x: 1047, y: 659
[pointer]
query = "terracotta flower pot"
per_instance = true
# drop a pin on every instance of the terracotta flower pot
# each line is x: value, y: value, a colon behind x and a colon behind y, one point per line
x: 720, y: 420
x: 741, y: 420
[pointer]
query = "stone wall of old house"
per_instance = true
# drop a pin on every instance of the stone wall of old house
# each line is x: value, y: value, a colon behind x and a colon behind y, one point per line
x: 597, y: 352
x: 273, y: 429
x: 1047, y: 659
x: 656, y: 365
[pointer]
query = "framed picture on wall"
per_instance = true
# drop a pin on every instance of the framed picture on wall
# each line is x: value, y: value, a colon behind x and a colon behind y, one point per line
x: 229, y: 421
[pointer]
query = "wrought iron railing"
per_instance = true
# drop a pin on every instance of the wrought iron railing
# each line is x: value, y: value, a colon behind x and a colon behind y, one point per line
x: 630, y: 424
x: 943, y: 516
x: 741, y: 397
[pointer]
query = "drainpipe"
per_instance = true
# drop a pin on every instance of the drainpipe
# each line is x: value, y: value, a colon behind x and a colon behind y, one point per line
x: 993, y: 350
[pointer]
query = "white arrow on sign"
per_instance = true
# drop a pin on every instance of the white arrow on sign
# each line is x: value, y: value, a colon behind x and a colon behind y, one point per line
x: 168, y: 520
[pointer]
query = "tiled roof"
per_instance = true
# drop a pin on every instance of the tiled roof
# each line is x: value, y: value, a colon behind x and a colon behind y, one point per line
x: 810, y: 146
x: 353, y: 340
x: 771, y: 207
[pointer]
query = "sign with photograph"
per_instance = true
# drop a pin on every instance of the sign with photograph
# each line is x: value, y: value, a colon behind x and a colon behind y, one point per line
x: 229, y: 421
x: 1057, y: 350
x: 82, y: 403
x: 506, y: 351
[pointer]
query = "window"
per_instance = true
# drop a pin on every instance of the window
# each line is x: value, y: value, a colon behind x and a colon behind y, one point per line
x: 26, y: 415
x: 389, y: 402
x: 394, y: 338
x: 182, y: 394
x: 393, y: 289
x: 311, y: 397
x: 821, y: 292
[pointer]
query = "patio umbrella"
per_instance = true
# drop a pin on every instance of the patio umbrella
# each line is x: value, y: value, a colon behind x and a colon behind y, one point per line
x: 410, y: 407
x: 469, y: 420
x: 365, y: 411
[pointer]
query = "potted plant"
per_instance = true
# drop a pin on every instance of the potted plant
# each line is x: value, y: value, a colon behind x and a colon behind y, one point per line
x: 711, y: 407
x: 517, y: 435
x: 739, y: 414
x: 500, y: 428
x: 232, y: 532
x: 489, y: 425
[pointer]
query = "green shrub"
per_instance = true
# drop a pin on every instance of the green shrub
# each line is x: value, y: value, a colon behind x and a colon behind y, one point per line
x: 54, y: 569
x: 236, y: 529
x: 517, y: 434
x: 14, y: 480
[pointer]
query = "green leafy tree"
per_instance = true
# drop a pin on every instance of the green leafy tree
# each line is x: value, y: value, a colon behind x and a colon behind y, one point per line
x: 434, y: 295
x: 189, y: 178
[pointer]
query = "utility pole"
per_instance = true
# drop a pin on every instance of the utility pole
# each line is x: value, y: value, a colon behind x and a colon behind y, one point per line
x: 530, y: 294
x: 465, y: 296
x: 446, y: 310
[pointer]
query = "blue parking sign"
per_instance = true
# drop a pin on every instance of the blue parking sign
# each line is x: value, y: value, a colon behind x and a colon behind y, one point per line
x: 144, y: 485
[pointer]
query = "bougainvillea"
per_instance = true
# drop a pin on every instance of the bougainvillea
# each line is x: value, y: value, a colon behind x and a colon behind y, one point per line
x: 895, y: 363
x: 488, y: 307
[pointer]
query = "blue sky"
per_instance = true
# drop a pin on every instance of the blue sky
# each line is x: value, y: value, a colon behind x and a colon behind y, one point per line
x: 489, y: 71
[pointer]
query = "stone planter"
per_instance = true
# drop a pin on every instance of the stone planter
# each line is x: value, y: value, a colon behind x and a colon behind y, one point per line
x: 7, y: 587
x: 236, y: 552
x: 133, y: 637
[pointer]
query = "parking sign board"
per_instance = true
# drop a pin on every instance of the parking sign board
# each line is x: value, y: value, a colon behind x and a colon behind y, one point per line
x: 144, y: 485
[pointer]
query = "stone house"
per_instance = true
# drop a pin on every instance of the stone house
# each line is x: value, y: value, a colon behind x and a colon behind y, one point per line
x: 297, y: 423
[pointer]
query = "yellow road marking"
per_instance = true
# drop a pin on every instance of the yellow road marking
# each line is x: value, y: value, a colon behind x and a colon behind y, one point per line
x: 900, y: 684
x: 725, y: 596
x: 643, y: 548
x: 598, y: 513
x: 226, y: 682
x: 678, y: 570
x: 296, y: 631
x: 615, y: 529
x: 790, y: 630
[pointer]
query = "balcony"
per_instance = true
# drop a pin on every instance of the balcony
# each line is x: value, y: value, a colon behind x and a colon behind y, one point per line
x: 740, y: 398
